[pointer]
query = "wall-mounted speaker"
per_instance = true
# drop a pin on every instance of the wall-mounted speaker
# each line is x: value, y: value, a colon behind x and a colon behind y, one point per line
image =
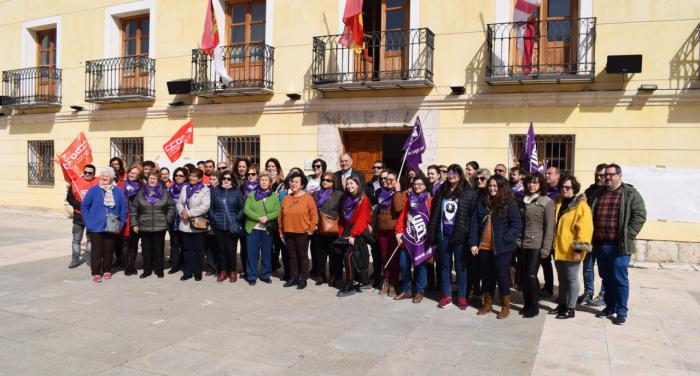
x: 624, y: 64
x: 183, y: 86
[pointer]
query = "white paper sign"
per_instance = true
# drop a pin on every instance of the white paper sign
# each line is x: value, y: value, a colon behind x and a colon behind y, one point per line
x: 671, y: 194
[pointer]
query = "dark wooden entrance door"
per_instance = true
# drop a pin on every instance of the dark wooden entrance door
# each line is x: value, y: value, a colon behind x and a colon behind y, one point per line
x: 367, y: 147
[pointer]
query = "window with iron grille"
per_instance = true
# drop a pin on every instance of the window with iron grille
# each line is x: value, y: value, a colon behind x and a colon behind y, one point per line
x: 233, y: 147
x: 129, y: 149
x: 40, y: 163
x: 555, y: 149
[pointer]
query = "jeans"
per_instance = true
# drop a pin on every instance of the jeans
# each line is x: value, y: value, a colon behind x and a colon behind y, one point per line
x: 259, y: 246
x: 495, y: 268
x: 77, y: 239
x: 152, y: 250
x: 612, y: 268
x: 588, y: 274
x: 446, y: 250
x: 567, y: 272
x: 529, y: 261
x: 193, y: 249
x: 405, y: 262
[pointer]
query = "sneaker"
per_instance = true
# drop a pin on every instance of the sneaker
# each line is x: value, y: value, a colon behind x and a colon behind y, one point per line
x: 462, y: 303
x: 445, y: 301
x: 603, y: 313
x: 96, y: 278
x: 599, y: 301
x: 73, y: 264
x: 620, y: 320
x: 107, y: 276
x: 587, y: 299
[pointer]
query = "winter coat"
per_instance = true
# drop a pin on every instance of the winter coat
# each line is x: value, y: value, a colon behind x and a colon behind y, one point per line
x: 538, y: 223
x: 152, y: 217
x: 254, y: 209
x: 633, y: 215
x: 198, y: 206
x: 95, y: 213
x: 506, y: 227
x: 466, y: 202
x: 223, y: 200
x: 574, y: 229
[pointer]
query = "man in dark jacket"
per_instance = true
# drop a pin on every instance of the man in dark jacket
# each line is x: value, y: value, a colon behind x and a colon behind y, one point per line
x: 592, y: 193
x: 373, y: 186
x: 618, y: 216
x: 346, y: 171
x: 74, y: 196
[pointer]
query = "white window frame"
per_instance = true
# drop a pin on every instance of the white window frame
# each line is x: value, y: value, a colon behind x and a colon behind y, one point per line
x: 112, y: 26
x: 28, y: 39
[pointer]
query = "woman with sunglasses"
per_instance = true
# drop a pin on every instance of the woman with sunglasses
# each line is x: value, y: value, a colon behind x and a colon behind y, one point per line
x: 261, y: 210
x: 211, y: 248
x: 179, y: 181
x: 574, y: 232
x: 352, y: 245
x: 130, y: 239
x: 247, y: 185
x: 495, y: 226
x: 451, y: 211
x: 226, y: 214
x: 390, y: 201
x: 328, y: 203
x: 314, y: 180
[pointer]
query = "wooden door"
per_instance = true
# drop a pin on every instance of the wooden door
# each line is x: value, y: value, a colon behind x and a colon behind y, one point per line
x: 246, y: 57
x: 395, y: 43
x: 46, y: 64
x: 135, y: 37
x: 365, y: 148
x: 558, y: 40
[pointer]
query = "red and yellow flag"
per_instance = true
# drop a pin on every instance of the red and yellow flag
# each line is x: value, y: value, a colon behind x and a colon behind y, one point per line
x: 210, y: 35
x: 354, y: 32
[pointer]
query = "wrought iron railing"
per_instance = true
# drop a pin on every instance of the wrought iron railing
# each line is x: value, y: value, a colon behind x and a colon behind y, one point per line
x: 247, y: 65
x: 541, y: 49
x: 120, y: 78
x: 391, y: 55
x: 32, y: 86
x: 40, y: 163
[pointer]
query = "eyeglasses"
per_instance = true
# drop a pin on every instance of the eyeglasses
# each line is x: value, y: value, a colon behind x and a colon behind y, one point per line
x: 452, y: 175
x: 566, y: 187
x: 482, y: 178
x: 88, y: 173
x: 443, y: 171
x: 599, y: 176
x: 179, y: 175
x: 251, y: 174
x: 221, y: 168
x: 327, y: 180
x: 377, y: 167
x: 317, y: 166
x: 226, y: 178
x: 611, y: 175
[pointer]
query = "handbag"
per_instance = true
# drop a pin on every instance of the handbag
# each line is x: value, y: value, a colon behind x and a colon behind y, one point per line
x: 328, y: 225
x: 271, y: 226
x: 114, y: 223
x: 234, y: 226
x: 199, y: 223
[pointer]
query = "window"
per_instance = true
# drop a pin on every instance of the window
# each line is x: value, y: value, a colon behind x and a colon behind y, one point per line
x: 129, y: 149
x: 135, y: 33
x: 555, y: 150
x: 233, y: 147
x: 40, y: 163
x: 46, y: 48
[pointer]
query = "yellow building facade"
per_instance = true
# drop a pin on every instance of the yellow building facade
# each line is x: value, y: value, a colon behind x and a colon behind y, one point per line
x: 475, y: 79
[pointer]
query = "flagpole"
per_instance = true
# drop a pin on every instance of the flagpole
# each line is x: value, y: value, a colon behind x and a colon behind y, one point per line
x: 405, y: 154
x: 392, y: 256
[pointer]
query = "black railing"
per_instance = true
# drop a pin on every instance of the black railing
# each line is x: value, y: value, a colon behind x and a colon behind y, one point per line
x: 249, y: 66
x: 391, y: 55
x: 32, y: 87
x: 120, y: 79
x: 541, y: 49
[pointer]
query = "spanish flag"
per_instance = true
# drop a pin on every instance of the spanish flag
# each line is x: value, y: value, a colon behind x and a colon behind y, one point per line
x: 354, y: 33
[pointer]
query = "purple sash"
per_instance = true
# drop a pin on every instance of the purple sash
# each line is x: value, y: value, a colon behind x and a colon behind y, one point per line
x: 349, y: 206
x: 415, y: 238
x: 131, y: 187
x: 249, y: 186
x: 323, y: 196
x: 175, y: 190
x: 260, y: 195
x: 436, y: 186
x: 152, y: 195
x: 191, y: 190
x: 385, y: 197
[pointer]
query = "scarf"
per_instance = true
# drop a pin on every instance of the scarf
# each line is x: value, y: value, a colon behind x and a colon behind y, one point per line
x: 109, y: 196
x: 154, y: 194
x: 175, y: 190
x: 191, y: 190
x: 131, y: 187
x: 349, y: 206
x: 249, y: 186
x: 323, y: 196
x: 436, y: 186
x: 384, y: 199
x: 415, y: 238
x: 261, y: 195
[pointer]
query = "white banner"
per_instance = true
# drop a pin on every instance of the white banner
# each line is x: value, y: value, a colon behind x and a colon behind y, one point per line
x: 670, y: 194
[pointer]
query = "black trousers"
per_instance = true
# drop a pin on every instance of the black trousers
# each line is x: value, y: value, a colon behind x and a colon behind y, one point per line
x: 210, y: 251
x: 322, y: 251
x: 102, y: 249
x: 355, y: 261
x: 278, y: 248
x: 495, y: 268
x: 153, y: 250
x: 473, y: 273
x: 298, y: 248
x: 130, y: 251
x: 118, y: 249
x: 175, y: 249
x: 529, y: 263
x: 193, y: 250
x: 548, y: 272
x: 226, y: 251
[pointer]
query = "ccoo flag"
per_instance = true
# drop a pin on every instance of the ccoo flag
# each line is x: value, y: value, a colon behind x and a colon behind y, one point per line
x: 415, y: 146
x: 74, y: 158
x: 174, y: 147
x: 529, y: 151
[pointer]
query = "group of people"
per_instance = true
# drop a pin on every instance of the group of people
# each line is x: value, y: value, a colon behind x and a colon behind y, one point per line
x: 491, y: 230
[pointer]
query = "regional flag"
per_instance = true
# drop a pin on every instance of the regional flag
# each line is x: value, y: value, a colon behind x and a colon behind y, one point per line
x: 526, y: 32
x: 211, y: 45
x: 174, y: 147
x: 354, y: 32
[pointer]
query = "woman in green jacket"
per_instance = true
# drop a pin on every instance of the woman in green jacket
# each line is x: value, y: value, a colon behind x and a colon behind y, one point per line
x: 261, y: 209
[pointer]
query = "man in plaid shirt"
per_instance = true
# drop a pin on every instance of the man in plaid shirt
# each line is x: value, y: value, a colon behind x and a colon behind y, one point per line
x: 618, y: 216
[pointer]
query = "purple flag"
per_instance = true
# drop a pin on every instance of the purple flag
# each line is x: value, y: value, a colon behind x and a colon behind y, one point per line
x: 415, y: 238
x: 529, y: 151
x: 415, y: 146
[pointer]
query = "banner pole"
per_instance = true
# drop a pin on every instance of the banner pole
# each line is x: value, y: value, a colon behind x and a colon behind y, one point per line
x: 392, y: 256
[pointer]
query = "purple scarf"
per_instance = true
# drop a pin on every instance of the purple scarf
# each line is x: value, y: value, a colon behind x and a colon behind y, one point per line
x: 131, y: 187
x: 260, y: 194
x: 385, y: 197
x: 323, y: 196
x: 249, y: 186
x: 349, y: 206
x: 436, y: 186
x: 415, y: 238
x: 192, y: 189
x: 152, y: 195
x: 175, y: 190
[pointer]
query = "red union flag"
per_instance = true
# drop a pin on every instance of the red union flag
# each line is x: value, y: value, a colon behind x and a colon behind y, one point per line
x: 74, y: 158
x: 174, y: 147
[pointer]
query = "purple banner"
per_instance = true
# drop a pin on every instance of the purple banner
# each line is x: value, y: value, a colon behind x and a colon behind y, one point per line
x: 415, y: 238
x: 415, y: 146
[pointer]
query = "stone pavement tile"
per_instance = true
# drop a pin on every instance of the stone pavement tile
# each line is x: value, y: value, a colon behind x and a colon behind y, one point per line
x: 178, y: 359
x: 119, y: 349
x: 307, y: 333
x: 579, y: 327
x: 47, y: 309
x: 691, y: 360
x: 681, y: 267
x: 643, y: 370
x: 557, y: 365
x: 23, y: 359
x: 435, y: 351
x: 375, y: 344
x: 335, y: 317
x: 126, y: 371
x: 275, y: 352
x: 238, y: 366
x: 652, y: 356
x: 459, y: 334
x: 498, y: 362
x: 394, y: 365
x: 329, y: 361
x: 218, y: 342
x: 565, y: 344
x: 634, y: 334
x: 501, y: 338
x: 17, y: 327
x: 386, y: 325
x: 67, y: 339
x: 116, y: 322
x: 257, y: 324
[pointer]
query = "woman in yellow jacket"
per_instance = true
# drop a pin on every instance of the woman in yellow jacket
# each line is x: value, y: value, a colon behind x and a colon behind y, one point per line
x: 574, y: 231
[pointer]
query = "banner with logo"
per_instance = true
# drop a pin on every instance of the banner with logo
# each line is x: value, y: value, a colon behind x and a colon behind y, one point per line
x: 174, y: 147
x: 74, y: 158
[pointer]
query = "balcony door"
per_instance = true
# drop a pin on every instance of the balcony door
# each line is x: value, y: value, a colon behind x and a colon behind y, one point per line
x: 386, y: 24
x: 558, y: 36
x: 134, y: 71
x: 246, y: 48
x: 46, y: 64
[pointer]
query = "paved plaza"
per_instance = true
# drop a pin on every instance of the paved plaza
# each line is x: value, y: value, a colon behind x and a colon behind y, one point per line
x: 55, y: 321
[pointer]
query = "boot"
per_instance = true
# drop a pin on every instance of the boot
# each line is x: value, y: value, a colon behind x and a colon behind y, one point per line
x: 384, y: 290
x: 487, y: 306
x: 505, y: 307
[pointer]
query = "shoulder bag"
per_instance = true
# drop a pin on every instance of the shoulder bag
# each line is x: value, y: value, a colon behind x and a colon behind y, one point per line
x: 328, y: 225
x: 271, y: 226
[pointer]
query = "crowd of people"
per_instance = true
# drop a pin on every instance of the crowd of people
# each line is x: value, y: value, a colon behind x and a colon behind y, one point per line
x: 487, y: 229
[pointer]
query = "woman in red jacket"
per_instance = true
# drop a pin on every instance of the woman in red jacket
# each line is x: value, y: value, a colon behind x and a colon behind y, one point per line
x: 412, y: 237
x: 354, y: 221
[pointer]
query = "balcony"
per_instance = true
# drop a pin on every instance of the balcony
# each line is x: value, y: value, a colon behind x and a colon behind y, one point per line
x: 395, y: 59
x: 120, y: 79
x: 542, y: 51
x: 37, y: 87
x: 250, y: 67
